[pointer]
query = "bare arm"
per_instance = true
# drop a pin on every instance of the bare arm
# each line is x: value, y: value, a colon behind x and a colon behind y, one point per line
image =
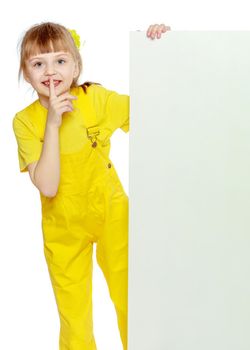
x: 45, y: 173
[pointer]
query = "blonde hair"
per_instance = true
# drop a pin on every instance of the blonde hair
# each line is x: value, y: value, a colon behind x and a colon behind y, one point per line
x: 47, y: 37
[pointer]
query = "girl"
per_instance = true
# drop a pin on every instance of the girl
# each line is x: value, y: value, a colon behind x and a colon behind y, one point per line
x: 82, y: 199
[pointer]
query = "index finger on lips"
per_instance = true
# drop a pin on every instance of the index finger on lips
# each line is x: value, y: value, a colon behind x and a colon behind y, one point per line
x: 51, y: 88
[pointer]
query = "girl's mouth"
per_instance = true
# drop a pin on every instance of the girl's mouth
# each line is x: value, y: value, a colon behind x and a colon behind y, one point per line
x: 56, y: 82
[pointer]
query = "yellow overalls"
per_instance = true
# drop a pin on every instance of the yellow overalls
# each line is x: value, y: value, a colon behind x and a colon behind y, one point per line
x: 90, y: 206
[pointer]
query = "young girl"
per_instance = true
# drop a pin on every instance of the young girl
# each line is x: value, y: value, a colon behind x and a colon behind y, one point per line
x: 82, y: 199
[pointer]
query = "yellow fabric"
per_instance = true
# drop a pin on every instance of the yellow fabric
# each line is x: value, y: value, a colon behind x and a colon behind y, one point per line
x: 112, y: 111
x: 90, y: 206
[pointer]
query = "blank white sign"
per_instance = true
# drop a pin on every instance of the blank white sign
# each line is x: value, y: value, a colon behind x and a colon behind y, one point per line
x: 189, y: 189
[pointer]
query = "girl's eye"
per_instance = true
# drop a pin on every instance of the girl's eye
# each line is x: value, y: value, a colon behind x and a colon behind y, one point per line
x: 37, y: 63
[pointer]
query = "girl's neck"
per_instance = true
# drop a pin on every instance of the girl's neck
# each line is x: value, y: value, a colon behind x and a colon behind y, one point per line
x: 44, y: 100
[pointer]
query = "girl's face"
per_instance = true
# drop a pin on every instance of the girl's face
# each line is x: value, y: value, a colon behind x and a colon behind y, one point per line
x: 60, y: 65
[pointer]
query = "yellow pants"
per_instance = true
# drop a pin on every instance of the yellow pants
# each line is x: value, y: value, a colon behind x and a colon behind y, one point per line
x: 90, y: 206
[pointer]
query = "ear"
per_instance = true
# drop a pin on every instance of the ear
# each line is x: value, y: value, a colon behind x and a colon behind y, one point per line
x: 76, y: 71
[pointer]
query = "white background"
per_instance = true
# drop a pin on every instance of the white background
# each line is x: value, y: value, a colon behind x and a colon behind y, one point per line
x: 28, y: 317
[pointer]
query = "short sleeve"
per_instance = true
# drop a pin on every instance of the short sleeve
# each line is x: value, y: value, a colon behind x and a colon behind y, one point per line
x: 29, y: 145
x: 117, y: 110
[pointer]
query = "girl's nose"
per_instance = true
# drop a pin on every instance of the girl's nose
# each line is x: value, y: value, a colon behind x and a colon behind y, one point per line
x: 50, y: 70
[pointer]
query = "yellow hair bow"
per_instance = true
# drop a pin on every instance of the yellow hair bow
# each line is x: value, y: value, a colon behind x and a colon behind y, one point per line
x: 76, y: 38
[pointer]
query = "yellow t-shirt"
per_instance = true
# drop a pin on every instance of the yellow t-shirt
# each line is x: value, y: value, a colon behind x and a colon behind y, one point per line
x: 112, y: 112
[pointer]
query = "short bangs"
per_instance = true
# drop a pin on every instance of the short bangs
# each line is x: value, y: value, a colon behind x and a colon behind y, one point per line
x: 46, y: 46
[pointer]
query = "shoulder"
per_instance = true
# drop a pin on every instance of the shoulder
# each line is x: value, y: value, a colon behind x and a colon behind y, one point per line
x: 24, y: 115
x: 92, y: 89
x: 31, y: 118
x: 96, y: 93
x: 95, y: 89
x: 90, y: 86
x: 101, y: 95
x: 27, y: 110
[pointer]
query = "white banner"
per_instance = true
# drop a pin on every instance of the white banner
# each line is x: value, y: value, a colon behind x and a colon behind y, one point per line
x: 189, y: 189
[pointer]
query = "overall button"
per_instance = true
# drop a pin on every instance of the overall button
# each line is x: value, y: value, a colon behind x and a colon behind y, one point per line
x: 94, y: 144
x: 109, y: 165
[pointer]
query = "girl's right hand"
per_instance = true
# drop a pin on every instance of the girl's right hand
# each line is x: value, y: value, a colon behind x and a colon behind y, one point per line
x: 58, y: 105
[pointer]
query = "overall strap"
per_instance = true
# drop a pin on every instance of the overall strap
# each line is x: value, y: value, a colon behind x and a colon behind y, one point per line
x: 92, y: 127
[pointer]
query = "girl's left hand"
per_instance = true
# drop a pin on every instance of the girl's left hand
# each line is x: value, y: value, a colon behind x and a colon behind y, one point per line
x: 157, y: 29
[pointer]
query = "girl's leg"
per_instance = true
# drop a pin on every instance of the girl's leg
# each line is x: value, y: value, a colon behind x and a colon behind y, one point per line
x: 112, y: 256
x: 69, y: 261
